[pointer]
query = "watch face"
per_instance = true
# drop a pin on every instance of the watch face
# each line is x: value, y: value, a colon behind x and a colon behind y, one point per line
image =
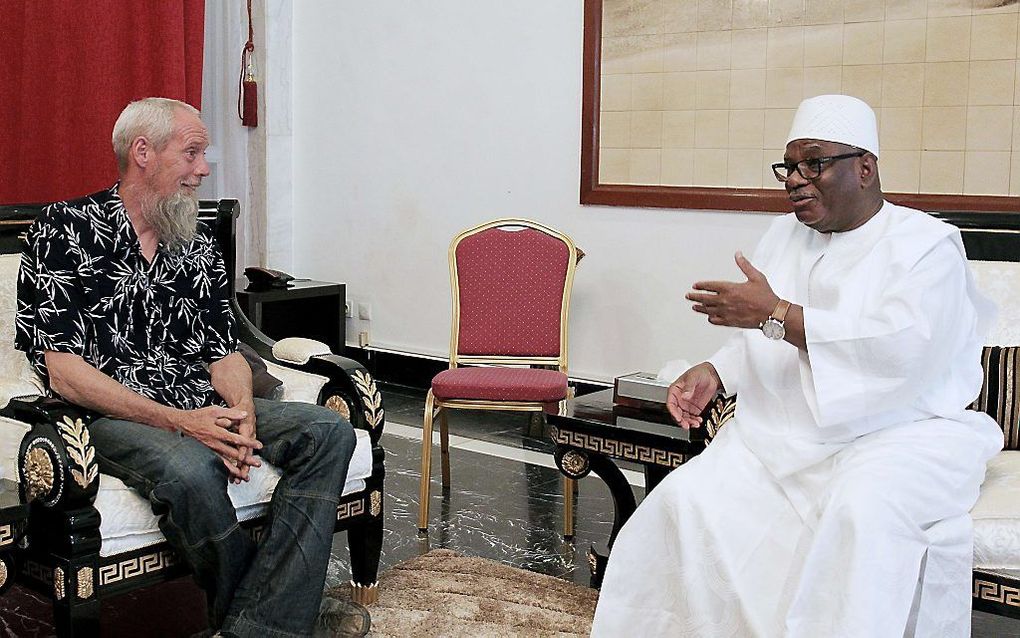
x: 773, y: 329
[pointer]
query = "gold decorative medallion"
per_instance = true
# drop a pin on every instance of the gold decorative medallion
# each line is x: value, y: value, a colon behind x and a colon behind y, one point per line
x: 376, y: 502
x: 575, y: 464
x: 3, y: 573
x: 58, y: 583
x: 79, y: 451
x: 370, y: 396
x: 592, y: 561
x: 338, y: 405
x: 85, y: 583
x: 38, y: 473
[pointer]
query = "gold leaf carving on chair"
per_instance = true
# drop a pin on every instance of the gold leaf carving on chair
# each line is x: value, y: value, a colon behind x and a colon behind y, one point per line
x: 79, y: 451
x: 370, y: 397
x: 338, y: 405
x: 722, y: 411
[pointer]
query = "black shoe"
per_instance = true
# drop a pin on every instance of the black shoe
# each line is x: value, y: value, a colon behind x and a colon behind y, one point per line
x: 341, y: 618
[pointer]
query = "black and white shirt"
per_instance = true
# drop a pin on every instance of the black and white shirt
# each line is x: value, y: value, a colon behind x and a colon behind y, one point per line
x: 85, y: 288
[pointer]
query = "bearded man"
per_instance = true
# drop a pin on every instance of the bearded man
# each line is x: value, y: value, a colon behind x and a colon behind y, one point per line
x: 835, y: 502
x: 124, y: 309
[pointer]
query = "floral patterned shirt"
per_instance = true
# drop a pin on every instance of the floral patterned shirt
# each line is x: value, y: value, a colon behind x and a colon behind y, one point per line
x: 85, y: 288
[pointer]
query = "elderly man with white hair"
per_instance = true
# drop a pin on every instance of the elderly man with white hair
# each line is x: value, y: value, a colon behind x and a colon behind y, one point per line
x: 835, y: 503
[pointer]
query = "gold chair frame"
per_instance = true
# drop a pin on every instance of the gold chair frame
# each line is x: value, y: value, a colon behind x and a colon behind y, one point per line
x: 435, y: 407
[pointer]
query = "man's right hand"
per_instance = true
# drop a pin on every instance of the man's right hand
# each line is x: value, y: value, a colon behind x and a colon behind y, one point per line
x: 691, y: 392
x: 212, y: 427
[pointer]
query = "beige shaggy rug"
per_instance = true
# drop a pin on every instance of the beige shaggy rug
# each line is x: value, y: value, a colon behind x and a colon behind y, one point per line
x: 443, y: 593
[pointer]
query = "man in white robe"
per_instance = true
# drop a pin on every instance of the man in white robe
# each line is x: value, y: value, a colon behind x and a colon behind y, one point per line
x: 835, y: 502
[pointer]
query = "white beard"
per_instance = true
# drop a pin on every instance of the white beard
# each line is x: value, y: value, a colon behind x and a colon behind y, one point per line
x: 174, y: 218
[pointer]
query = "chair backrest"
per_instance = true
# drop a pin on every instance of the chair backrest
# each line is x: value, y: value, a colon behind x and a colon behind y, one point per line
x: 511, y: 281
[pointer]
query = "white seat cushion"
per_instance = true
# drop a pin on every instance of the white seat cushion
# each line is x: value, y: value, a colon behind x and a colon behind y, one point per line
x: 128, y: 522
x: 997, y: 514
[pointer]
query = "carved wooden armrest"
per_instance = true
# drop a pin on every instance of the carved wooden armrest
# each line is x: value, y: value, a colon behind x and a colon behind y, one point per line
x: 56, y: 463
x: 350, y: 389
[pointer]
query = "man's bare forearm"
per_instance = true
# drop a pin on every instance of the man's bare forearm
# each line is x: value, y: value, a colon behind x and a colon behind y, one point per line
x: 82, y: 384
x: 231, y: 378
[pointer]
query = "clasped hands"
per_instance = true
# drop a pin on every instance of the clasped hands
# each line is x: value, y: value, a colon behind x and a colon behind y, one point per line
x: 737, y: 304
x: 230, y: 432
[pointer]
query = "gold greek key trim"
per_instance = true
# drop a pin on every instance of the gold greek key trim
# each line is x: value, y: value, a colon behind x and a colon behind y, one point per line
x: 618, y: 449
x: 996, y: 593
x: 375, y: 498
x: 6, y: 535
x: 84, y: 579
x: 58, y: 583
x: 350, y: 510
x: 364, y: 594
x: 137, y: 566
x: 370, y: 397
x: 79, y: 451
x: 37, y: 571
x: 338, y: 405
x: 38, y: 471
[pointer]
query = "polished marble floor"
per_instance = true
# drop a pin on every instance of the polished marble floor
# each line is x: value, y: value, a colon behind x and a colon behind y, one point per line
x: 505, y: 503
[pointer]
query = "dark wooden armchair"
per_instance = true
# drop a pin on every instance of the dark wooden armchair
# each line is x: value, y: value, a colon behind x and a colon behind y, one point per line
x: 86, y: 539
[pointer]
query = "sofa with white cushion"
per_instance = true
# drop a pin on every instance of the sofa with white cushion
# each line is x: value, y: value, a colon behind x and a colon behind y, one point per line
x: 89, y: 536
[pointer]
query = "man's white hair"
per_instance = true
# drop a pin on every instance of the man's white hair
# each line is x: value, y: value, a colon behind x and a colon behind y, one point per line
x: 151, y: 118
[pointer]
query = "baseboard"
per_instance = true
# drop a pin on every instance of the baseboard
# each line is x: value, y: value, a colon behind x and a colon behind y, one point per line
x: 416, y: 371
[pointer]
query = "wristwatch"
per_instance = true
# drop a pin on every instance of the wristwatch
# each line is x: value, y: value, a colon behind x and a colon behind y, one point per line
x: 774, y: 327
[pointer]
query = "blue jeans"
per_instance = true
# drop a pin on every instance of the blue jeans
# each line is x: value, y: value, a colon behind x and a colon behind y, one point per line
x: 272, y: 588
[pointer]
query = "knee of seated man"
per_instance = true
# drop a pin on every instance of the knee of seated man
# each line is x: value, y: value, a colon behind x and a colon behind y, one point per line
x: 863, y: 501
x: 332, y: 434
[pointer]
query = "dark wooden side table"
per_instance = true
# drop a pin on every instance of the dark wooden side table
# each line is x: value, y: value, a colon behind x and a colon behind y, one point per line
x: 13, y: 516
x: 306, y: 308
x: 592, y: 432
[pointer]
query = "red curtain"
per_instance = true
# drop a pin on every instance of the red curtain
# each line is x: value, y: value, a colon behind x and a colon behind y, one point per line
x: 67, y: 69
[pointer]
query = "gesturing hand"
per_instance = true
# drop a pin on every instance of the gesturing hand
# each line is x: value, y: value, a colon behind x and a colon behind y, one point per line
x: 212, y: 426
x: 691, y: 392
x: 741, y: 305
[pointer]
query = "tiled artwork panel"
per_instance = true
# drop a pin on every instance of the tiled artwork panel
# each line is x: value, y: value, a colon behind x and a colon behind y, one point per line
x: 702, y: 92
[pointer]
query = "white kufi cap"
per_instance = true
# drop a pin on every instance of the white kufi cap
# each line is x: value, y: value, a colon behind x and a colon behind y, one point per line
x: 836, y: 118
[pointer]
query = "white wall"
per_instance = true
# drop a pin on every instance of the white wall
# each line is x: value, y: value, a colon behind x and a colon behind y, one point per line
x: 413, y: 121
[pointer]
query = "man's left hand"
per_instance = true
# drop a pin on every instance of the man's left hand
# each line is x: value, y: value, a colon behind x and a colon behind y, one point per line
x: 741, y: 305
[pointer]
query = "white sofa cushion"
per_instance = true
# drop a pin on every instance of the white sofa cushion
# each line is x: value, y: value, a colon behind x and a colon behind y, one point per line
x: 997, y: 514
x: 128, y: 522
x: 19, y: 379
x: 1000, y: 282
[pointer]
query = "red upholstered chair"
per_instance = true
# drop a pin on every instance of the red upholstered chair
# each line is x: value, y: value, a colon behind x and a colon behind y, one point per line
x: 511, y: 283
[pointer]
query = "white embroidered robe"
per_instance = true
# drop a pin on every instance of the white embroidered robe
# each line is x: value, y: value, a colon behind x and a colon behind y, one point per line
x: 835, y: 502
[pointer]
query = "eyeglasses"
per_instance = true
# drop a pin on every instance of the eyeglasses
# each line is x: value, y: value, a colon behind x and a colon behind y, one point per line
x: 809, y: 169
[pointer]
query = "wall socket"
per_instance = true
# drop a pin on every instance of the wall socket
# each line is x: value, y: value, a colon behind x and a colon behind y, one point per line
x: 363, y: 339
x: 364, y: 311
x: 348, y: 311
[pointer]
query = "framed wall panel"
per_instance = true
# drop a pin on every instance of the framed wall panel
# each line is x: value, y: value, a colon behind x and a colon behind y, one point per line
x: 687, y: 102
